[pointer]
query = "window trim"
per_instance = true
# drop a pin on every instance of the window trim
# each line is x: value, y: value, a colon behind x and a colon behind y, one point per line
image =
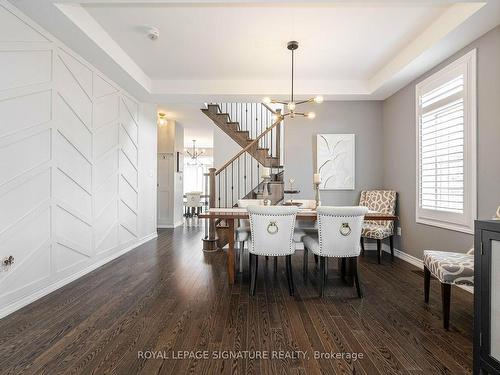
x: 453, y: 221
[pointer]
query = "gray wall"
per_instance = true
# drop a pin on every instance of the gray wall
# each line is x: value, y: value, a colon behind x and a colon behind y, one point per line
x: 399, y: 129
x: 363, y: 118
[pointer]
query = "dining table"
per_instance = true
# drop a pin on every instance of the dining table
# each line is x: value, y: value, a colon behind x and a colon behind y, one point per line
x: 230, y: 215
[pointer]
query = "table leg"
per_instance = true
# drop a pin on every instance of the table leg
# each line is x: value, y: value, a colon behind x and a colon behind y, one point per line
x: 230, y: 252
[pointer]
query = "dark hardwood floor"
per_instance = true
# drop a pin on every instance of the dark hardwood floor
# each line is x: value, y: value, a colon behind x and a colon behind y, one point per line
x: 167, y: 296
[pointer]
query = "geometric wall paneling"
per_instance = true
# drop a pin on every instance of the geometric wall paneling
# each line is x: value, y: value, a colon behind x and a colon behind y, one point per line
x: 128, y: 195
x: 128, y: 221
x: 67, y: 135
x: 102, y: 87
x: 71, y: 196
x: 106, y: 227
x: 20, y: 155
x: 73, y: 94
x: 106, y: 192
x: 22, y: 112
x: 108, y: 240
x: 24, y: 278
x: 31, y: 253
x: 21, y: 200
x: 72, y: 127
x: 80, y: 72
x: 105, y: 167
x: 67, y: 257
x: 13, y: 29
x: 18, y: 70
x: 128, y: 147
x: 132, y: 107
x: 128, y: 170
x: 106, y: 109
x: 125, y: 236
x: 128, y: 122
x: 72, y: 162
x: 72, y: 231
x: 105, y: 139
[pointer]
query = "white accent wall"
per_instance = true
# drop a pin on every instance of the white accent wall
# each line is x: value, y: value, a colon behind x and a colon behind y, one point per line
x: 77, y: 164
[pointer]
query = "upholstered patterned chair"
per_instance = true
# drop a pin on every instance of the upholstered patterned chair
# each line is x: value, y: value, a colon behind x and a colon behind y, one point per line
x: 339, y: 230
x: 271, y: 235
x: 383, y: 201
x: 450, y: 269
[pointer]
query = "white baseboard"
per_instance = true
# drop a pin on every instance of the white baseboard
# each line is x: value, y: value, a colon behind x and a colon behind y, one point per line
x: 170, y: 226
x: 410, y: 259
x: 9, y: 309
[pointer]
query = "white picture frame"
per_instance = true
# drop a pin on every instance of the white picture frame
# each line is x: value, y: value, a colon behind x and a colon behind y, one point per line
x: 336, y: 161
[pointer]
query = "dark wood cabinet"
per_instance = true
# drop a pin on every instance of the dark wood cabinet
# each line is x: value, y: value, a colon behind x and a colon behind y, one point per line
x: 487, y: 297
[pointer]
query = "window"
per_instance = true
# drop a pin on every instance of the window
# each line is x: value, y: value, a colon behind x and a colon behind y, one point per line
x: 446, y: 146
x: 193, y: 173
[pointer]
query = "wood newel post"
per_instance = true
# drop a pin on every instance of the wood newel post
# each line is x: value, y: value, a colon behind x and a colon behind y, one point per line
x: 211, y: 202
x: 210, y: 243
x: 211, y: 184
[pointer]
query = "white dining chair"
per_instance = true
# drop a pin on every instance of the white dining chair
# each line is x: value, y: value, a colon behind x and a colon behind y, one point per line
x: 271, y: 235
x: 193, y: 202
x: 242, y: 232
x: 339, y: 231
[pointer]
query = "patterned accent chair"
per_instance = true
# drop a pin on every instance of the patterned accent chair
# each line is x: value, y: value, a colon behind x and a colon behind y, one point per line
x: 383, y: 201
x: 450, y: 269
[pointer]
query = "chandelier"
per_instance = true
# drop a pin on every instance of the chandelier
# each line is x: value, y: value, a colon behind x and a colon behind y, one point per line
x: 292, y: 104
x: 194, y: 153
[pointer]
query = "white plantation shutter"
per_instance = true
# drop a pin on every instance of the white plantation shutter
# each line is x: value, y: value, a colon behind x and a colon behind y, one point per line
x: 446, y: 146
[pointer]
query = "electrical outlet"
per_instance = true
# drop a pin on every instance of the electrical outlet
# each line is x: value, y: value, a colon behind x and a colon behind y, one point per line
x: 399, y: 231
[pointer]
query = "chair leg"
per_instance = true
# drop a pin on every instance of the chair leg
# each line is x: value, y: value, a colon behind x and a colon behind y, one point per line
x: 427, y: 284
x: 446, y: 297
x: 275, y: 264
x: 391, y: 244
x: 321, y: 276
x: 342, y: 268
x: 254, y: 263
x: 267, y: 257
x: 379, y: 250
x: 242, y: 251
x: 354, y: 267
x: 289, y: 274
x: 362, y: 243
x: 326, y: 270
x: 315, y: 259
x: 304, y: 266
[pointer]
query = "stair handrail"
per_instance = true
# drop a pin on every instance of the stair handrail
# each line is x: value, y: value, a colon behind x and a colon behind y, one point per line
x: 256, y: 140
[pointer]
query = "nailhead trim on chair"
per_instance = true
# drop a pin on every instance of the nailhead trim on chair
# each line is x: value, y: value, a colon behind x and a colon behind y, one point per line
x: 291, y: 243
x: 319, y: 237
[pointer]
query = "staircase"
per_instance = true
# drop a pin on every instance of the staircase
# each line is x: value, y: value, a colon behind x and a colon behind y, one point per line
x: 243, y: 135
x: 256, y: 129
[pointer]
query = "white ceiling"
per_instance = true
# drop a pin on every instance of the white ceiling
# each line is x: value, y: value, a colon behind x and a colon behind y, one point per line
x: 216, y: 50
x: 224, y: 42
